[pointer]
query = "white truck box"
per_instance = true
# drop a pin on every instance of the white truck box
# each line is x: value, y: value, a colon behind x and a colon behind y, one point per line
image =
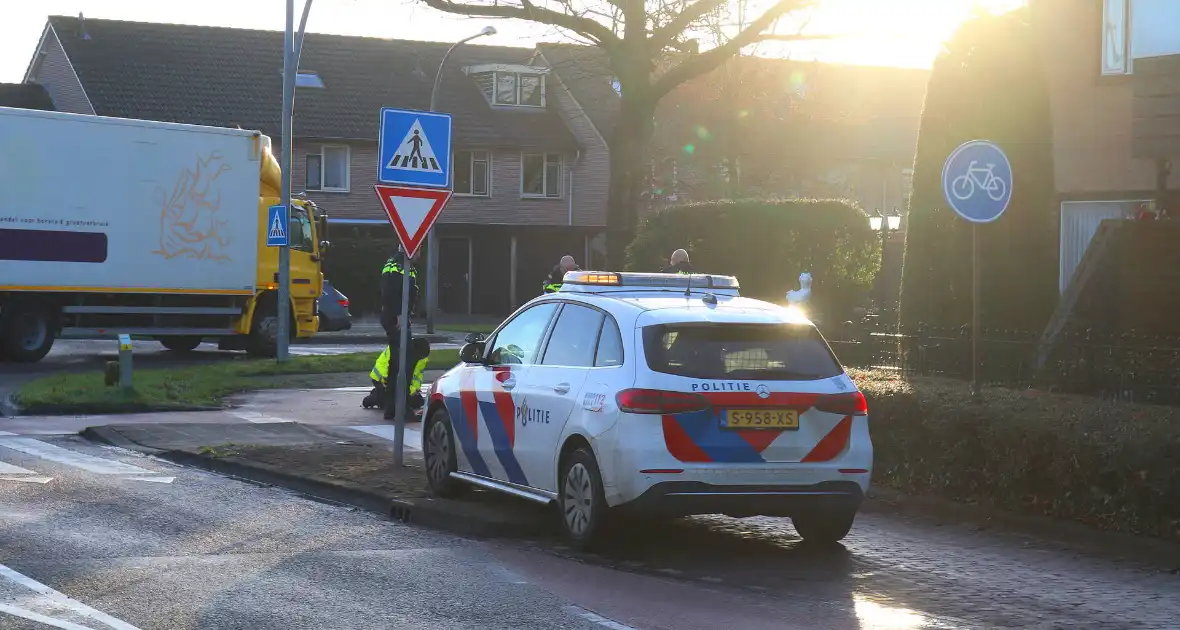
x: 97, y: 204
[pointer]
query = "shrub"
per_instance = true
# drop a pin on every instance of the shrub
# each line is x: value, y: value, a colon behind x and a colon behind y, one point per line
x: 1108, y: 464
x: 988, y: 84
x: 767, y: 244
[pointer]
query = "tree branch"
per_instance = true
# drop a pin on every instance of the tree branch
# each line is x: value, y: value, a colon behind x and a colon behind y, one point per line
x: 584, y: 26
x: 665, y: 35
x: 696, y: 65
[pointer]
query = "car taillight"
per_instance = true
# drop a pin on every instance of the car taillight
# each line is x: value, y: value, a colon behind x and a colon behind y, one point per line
x: 655, y: 401
x: 343, y: 302
x: 851, y: 404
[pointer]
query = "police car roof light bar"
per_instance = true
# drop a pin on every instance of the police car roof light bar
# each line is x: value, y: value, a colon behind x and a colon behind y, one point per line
x: 577, y: 280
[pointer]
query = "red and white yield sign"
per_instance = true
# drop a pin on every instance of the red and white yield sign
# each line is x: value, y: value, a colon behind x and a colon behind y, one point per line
x: 412, y: 211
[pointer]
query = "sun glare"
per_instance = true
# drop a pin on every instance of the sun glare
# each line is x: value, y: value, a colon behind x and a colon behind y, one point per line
x: 888, y: 33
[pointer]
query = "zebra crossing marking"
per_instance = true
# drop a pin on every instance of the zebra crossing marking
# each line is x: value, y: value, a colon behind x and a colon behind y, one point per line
x: 59, y: 455
x: 56, y: 454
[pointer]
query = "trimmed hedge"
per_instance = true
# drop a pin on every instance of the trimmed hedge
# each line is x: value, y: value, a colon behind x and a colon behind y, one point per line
x: 767, y: 244
x: 1111, y: 465
x: 987, y: 84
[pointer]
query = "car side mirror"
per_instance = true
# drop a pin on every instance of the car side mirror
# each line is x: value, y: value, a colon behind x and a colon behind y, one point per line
x: 472, y: 352
x: 474, y: 337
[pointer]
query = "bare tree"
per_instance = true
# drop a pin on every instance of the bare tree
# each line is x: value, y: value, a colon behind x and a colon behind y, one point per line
x: 650, y: 48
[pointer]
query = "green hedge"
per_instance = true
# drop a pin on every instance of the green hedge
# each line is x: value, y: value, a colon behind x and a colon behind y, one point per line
x: 988, y: 84
x: 1108, y: 464
x: 767, y: 244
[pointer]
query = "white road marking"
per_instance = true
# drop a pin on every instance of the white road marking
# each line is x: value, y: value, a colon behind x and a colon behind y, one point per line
x: 350, y: 389
x: 152, y: 479
x: 39, y: 618
x: 578, y: 611
x: 60, y: 599
x: 413, y: 437
x: 52, y: 453
x: 256, y: 417
x: 27, y: 479
x: 6, y: 433
x: 9, y: 469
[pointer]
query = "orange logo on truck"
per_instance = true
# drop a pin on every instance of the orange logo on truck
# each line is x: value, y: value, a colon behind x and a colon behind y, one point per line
x: 190, y: 219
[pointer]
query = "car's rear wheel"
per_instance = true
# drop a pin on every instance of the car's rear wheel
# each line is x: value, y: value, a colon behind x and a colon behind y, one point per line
x: 438, y: 454
x: 581, y: 499
x: 824, y: 527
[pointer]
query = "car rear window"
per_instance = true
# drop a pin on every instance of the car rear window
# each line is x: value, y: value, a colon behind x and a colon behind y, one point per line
x: 740, y: 351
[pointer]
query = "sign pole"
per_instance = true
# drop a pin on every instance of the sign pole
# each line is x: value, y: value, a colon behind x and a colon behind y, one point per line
x: 975, y: 332
x: 977, y: 183
x: 283, y: 334
x: 413, y: 168
x: 403, y: 333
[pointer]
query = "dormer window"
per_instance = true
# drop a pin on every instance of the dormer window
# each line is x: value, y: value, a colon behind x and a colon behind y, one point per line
x: 510, y: 85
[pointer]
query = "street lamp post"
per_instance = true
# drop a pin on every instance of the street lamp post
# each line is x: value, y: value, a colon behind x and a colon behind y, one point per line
x: 432, y: 236
x: 292, y: 48
x: 883, y: 225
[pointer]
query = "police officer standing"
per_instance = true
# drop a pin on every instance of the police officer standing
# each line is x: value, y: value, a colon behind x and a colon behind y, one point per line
x: 557, y: 276
x: 678, y: 263
x: 391, y: 308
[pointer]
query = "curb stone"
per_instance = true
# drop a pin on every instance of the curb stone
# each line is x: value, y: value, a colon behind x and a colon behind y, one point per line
x: 453, y: 516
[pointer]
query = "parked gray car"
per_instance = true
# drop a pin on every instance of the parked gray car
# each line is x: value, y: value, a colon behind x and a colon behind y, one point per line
x: 333, y: 309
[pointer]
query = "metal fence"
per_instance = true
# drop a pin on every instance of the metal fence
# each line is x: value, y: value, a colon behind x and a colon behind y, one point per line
x: 1127, y: 368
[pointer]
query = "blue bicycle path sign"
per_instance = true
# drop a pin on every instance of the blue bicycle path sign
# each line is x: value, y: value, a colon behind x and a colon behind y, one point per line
x: 977, y: 181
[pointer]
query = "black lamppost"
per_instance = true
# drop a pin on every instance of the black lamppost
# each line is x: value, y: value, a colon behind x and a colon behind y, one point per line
x: 883, y: 225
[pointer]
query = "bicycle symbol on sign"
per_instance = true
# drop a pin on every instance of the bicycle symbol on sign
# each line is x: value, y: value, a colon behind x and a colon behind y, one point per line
x: 963, y: 186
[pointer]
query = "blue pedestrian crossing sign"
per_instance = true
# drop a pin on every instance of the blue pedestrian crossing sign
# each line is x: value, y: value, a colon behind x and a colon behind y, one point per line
x: 415, y: 148
x: 276, y: 227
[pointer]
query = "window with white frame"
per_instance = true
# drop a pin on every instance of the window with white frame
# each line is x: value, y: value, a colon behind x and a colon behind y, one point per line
x: 328, y: 170
x: 540, y: 175
x: 472, y: 171
x: 1115, y: 49
x: 522, y: 89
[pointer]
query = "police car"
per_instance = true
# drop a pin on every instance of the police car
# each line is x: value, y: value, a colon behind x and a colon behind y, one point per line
x: 656, y: 394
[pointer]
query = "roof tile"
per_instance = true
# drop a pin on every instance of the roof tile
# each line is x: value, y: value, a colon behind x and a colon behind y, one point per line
x: 233, y: 77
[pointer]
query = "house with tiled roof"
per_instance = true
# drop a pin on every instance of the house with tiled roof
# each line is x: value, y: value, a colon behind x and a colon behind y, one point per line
x: 524, y: 195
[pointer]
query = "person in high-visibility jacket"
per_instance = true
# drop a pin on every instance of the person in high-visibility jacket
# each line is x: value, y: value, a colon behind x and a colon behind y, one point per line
x: 557, y: 276
x: 391, y: 307
x: 678, y: 263
x: 417, y: 360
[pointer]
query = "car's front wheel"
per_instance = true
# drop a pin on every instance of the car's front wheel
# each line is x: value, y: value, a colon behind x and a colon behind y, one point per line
x: 581, y: 499
x: 438, y: 454
x: 824, y: 527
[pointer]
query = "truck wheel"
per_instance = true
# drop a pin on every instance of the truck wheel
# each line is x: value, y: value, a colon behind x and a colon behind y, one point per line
x: 264, y: 334
x: 26, y: 333
x: 181, y: 344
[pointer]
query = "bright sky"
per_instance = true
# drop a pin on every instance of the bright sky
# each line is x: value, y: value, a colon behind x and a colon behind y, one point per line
x: 879, y: 32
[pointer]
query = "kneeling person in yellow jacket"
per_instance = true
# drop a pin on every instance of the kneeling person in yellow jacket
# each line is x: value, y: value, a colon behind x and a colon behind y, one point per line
x: 418, y: 358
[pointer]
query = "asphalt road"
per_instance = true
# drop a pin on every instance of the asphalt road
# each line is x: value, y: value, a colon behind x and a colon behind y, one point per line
x: 162, y: 546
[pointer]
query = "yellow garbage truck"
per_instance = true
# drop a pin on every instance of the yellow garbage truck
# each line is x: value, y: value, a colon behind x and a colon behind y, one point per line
x: 157, y: 230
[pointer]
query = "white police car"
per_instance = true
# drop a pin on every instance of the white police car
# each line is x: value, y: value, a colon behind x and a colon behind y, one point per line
x: 659, y: 394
